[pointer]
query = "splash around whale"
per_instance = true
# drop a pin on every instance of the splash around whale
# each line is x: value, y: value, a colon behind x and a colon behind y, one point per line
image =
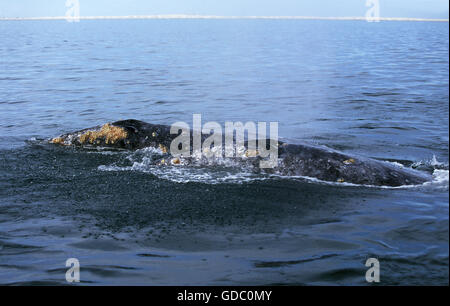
x: 293, y: 159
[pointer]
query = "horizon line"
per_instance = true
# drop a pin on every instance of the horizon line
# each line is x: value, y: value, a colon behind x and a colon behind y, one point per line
x: 181, y: 16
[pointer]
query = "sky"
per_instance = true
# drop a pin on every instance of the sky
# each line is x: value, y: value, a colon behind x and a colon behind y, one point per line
x: 319, y: 8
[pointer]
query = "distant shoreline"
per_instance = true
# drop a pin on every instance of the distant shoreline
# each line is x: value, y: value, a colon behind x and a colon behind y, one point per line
x: 217, y: 17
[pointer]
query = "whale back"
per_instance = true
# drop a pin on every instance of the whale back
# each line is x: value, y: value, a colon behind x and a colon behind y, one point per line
x: 294, y: 159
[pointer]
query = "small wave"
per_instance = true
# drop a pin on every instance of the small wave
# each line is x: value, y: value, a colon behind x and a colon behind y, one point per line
x: 430, y: 165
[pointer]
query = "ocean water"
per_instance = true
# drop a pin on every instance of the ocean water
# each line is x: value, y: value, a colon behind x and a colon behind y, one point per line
x: 375, y: 89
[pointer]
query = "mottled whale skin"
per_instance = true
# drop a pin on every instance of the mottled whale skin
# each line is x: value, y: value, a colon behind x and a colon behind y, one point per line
x: 294, y: 159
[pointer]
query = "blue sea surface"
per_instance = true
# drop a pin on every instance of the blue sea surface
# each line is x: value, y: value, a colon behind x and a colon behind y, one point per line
x: 375, y: 89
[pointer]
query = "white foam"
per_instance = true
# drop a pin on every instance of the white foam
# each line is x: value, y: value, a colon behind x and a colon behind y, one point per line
x: 394, y: 163
x: 186, y: 174
x: 113, y: 168
x: 106, y: 152
x: 440, y: 180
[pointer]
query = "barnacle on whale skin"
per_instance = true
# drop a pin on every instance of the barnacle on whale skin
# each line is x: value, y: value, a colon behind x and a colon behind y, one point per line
x: 163, y: 148
x: 349, y: 161
x: 108, y: 132
x: 251, y: 153
x: 58, y: 140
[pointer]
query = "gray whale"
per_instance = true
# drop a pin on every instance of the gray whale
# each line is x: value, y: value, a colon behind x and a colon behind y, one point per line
x: 294, y: 159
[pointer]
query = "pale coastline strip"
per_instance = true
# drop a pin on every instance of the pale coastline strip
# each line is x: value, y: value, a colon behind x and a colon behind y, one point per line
x: 219, y: 17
